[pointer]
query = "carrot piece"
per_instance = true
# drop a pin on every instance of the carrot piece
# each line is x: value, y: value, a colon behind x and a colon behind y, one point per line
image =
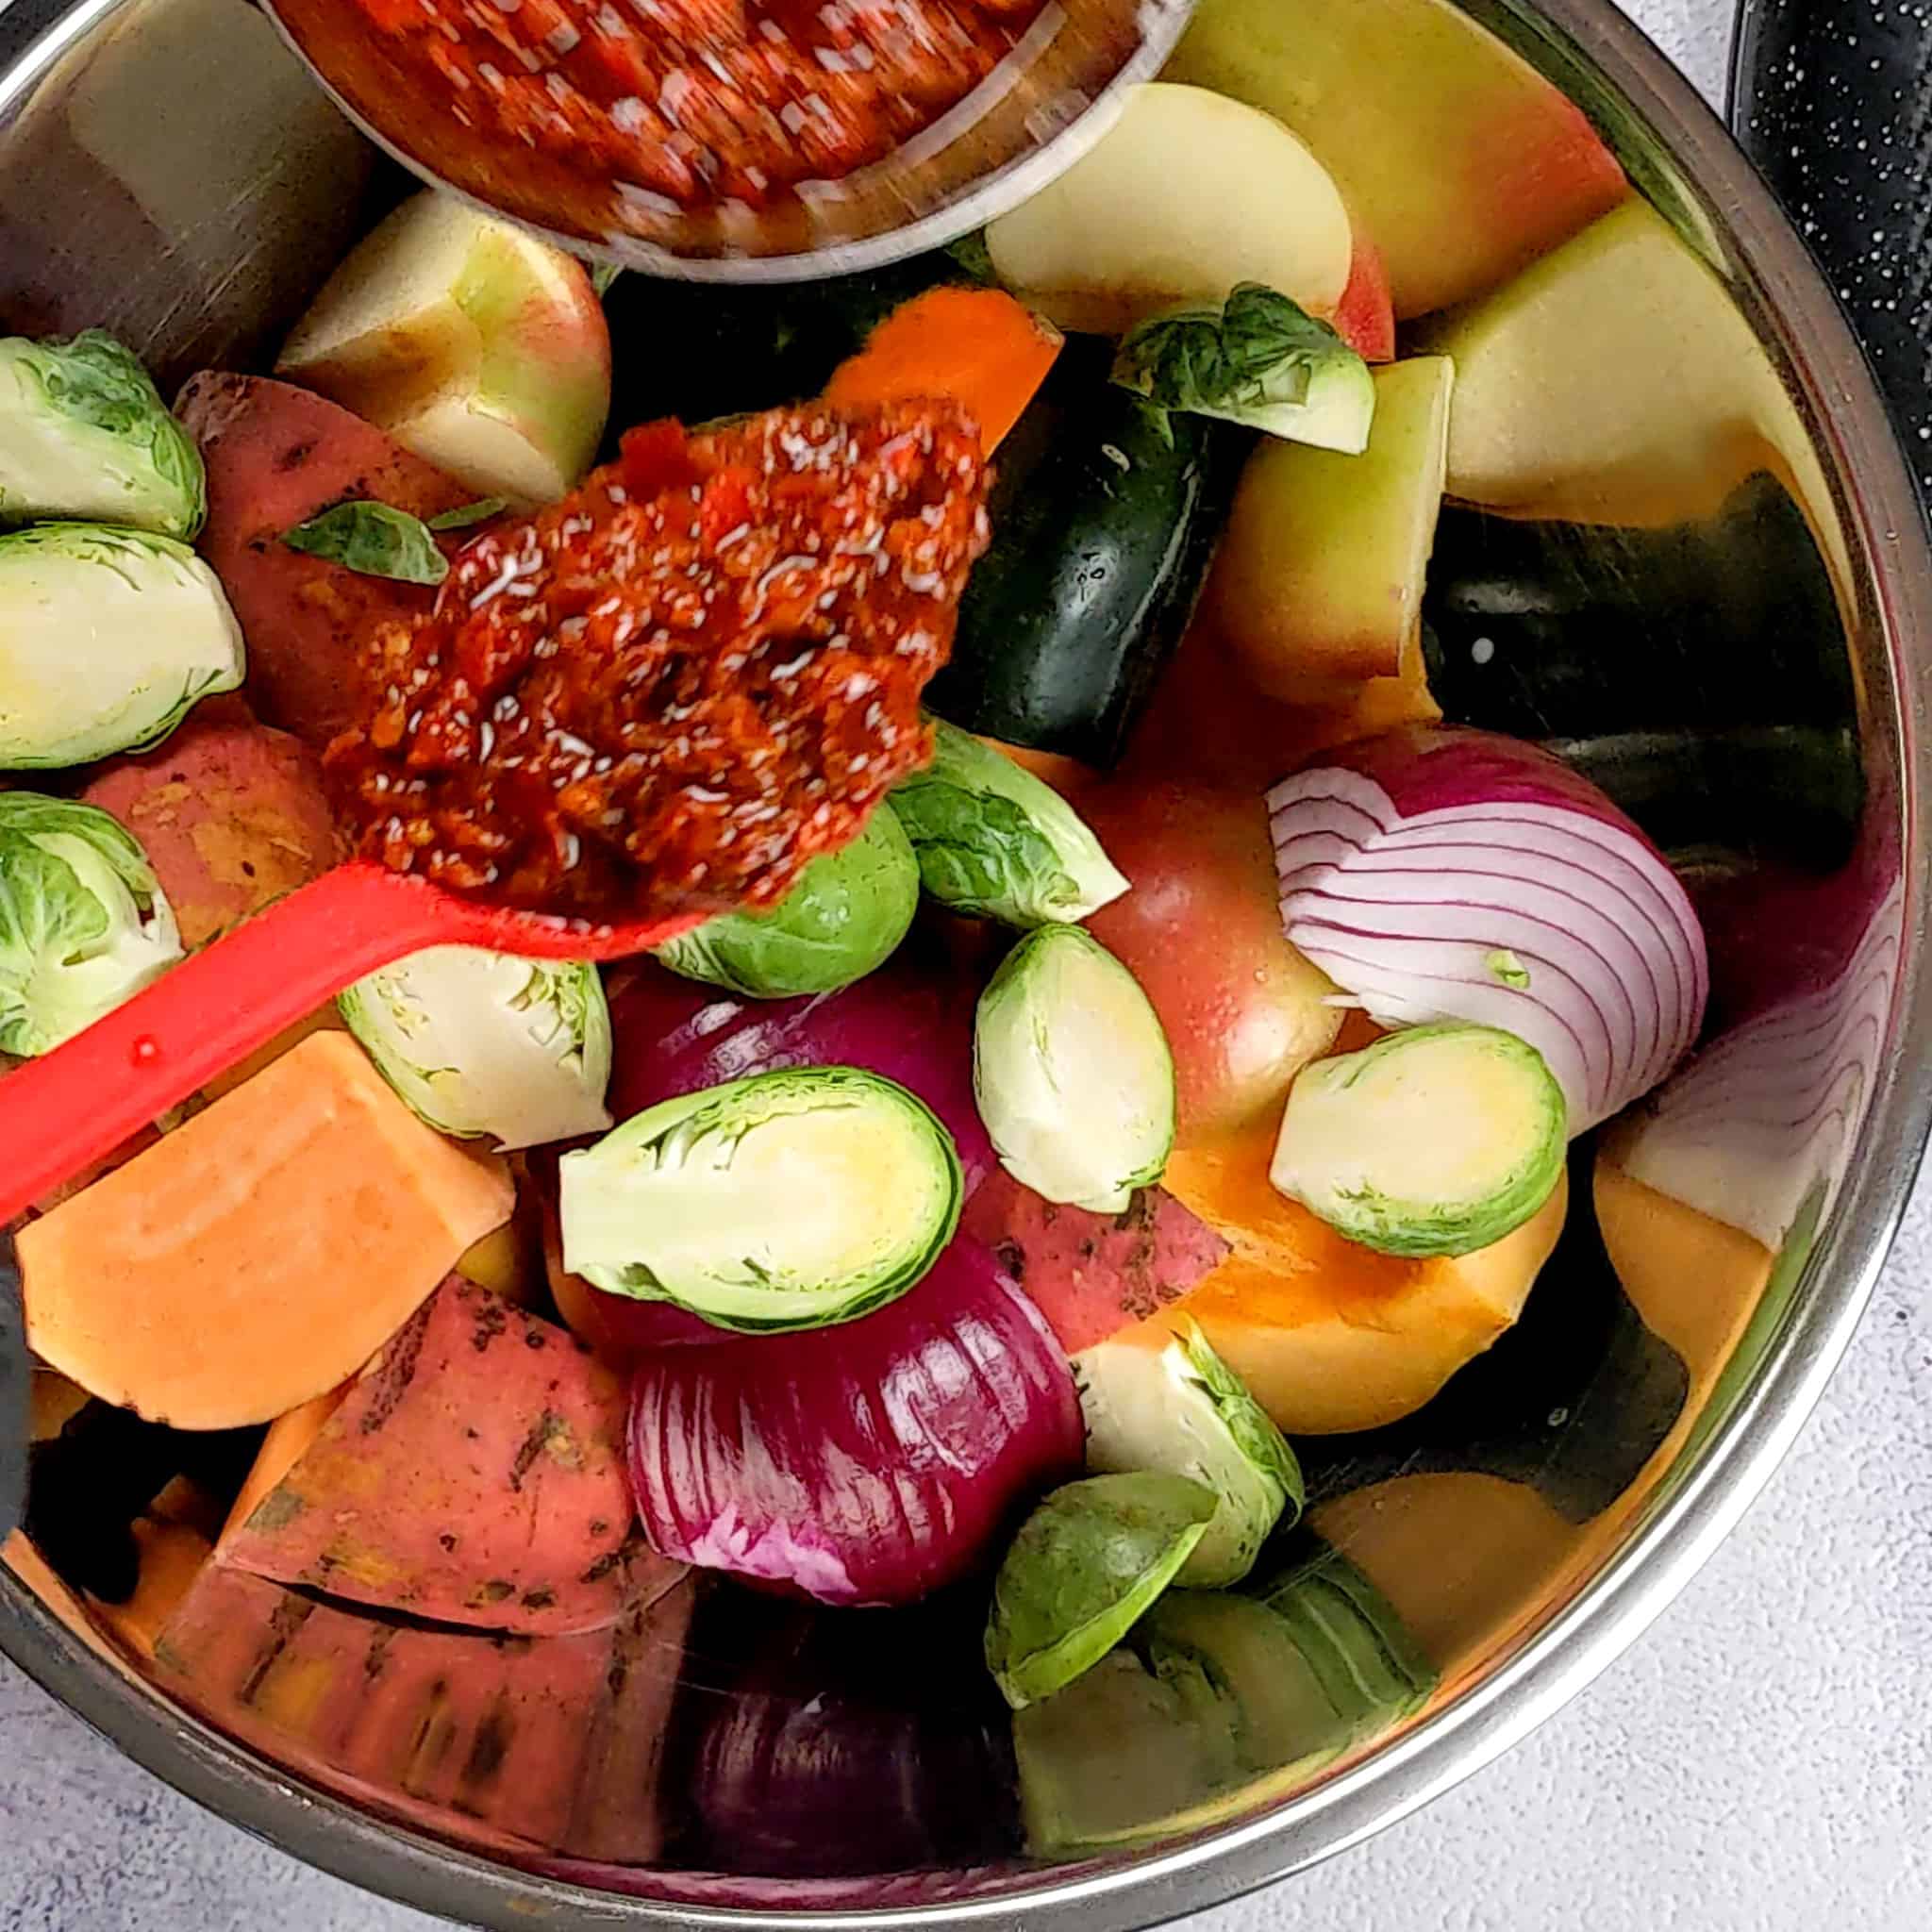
x: 976, y: 347
x: 262, y: 1252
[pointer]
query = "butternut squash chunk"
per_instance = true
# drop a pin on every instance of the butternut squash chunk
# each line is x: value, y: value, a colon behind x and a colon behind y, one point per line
x: 1330, y: 1336
x: 262, y: 1252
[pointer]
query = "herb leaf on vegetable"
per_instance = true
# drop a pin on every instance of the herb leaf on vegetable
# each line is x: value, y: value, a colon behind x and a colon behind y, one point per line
x: 1257, y: 360
x: 375, y: 540
x: 465, y: 514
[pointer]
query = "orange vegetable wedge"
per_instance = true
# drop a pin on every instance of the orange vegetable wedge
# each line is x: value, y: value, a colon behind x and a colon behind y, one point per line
x: 976, y: 347
x: 262, y: 1252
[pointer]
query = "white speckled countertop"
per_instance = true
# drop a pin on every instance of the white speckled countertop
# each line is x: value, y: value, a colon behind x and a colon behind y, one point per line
x: 1761, y: 1762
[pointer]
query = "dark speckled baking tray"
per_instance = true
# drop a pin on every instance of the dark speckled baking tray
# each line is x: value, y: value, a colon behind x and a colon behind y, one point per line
x: 1833, y: 100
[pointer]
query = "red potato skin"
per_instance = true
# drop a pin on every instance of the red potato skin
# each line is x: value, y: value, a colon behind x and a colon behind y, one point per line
x: 1092, y: 1274
x: 1201, y: 931
x: 1365, y: 318
x: 231, y: 814
x: 277, y: 456
x: 474, y: 1476
x: 512, y: 1743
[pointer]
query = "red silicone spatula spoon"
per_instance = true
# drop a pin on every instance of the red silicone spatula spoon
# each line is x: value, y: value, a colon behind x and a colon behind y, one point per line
x: 71, y: 1106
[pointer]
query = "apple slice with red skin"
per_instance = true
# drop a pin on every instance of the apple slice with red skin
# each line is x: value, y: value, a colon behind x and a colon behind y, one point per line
x: 477, y: 346
x: 1461, y: 160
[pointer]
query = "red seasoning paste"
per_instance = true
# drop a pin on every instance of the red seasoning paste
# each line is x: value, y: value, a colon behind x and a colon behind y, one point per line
x: 672, y: 689
x: 686, y: 104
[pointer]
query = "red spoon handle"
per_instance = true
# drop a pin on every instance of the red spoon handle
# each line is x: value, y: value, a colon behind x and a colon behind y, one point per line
x: 63, y: 1111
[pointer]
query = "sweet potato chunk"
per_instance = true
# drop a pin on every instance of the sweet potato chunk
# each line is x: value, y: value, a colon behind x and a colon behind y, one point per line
x: 277, y: 456
x: 260, y: 1252
x: 474, y: 1476
x: 231, y: 814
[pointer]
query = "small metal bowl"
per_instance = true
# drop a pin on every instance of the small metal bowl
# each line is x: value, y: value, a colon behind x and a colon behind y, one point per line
x: 1034, y: 115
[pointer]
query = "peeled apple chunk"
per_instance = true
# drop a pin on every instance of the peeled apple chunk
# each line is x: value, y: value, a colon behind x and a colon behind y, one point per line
x: 1617, y: 382
x: 1186, y: 195
x: 1367, y: 1141
x: 261, y: 1252
x: 1318, y: 583
x: 1330, y: 1336
x: 477, y: 346
x: 1457, y: 158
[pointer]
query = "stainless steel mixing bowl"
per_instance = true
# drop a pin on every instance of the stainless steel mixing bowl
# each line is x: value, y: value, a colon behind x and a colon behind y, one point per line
x: 166, y: 171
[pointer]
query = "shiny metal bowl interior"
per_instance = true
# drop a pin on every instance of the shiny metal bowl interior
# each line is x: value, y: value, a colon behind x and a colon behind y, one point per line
x: 198, y: 232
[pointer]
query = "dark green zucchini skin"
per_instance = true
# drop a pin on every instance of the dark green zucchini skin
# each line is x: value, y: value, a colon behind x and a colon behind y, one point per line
x: 1103, y: 529
x: 1698, y: 673
x: 698, y: 352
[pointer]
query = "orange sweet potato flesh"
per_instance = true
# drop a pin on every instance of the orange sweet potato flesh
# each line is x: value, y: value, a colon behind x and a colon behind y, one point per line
x: 172, y: 1556
x: 505, y: 1742
x: 976, y: 347
x: 262, y: 1252
x: 473, y: 1475
x: 277, y: 456
x: 231, y: 814
x: 289, y: 1438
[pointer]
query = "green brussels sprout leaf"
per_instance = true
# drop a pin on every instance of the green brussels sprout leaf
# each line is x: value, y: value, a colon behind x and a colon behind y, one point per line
x: 83, y: 923
x: 844, y: 919
x: 996, y: 842
x: 84, y: 435
x: 484, y: 1045
x: 1084, y: 1566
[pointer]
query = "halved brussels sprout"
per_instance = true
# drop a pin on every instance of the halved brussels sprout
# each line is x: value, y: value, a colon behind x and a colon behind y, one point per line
x: 108, y: 636
x: 998, y: 843
x: 1213, y: 1692
x: 84, y: 434
x: 483, y: 1044
x: 1084, y: 1566
x: 844, y: 919
x: 1073, y: 1073
x: 83, y: 923
x: 1434, y: 1140
x: 787, y: 1200
x: 1180, y: 1409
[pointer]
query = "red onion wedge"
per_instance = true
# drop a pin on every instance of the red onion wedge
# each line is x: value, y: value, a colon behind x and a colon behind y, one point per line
x: 911, y: 1021
x: 1441, y: 873
x: 869, y: 1463
x: 1760, y: 1123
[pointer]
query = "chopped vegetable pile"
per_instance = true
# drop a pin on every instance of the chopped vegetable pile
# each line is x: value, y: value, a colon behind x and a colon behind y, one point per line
x: 1131, y: 1058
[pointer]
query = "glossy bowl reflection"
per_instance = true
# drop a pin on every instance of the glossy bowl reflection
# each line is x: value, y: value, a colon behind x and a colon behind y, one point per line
x: 1765, y: 600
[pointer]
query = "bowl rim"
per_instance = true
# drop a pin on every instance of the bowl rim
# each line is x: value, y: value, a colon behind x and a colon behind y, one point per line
x: 1682, y: 1522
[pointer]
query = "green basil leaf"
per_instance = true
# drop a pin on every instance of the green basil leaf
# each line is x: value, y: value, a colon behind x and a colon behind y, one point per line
x: 374, y: 540
x: 1260, y: 360
x: 465, y: 514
